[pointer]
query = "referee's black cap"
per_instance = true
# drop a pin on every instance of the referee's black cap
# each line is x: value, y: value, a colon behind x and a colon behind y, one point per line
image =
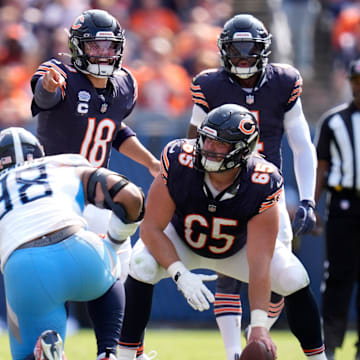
x: 354, y: 68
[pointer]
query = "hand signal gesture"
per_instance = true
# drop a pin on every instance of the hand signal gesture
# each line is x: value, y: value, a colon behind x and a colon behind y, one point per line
x: 52, y: 80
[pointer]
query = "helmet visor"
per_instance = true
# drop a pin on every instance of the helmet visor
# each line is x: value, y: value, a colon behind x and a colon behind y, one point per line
x: 102, y: 48
x: 243, y: 49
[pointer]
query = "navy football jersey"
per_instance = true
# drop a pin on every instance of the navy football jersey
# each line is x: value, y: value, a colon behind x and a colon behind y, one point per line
x: 213, y: 227
x: 84, y: 122
x: 281, y: 86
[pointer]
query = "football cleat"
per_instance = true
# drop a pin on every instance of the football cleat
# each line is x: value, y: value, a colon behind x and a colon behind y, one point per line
x: 107, y: 355
x: 152, y: 355
x: 49, y: 346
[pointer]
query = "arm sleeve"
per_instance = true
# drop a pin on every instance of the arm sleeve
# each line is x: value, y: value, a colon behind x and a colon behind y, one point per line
x: 122, y: 135
x: 197, y: 116
x: 304, y: 154
x: 45, y: 99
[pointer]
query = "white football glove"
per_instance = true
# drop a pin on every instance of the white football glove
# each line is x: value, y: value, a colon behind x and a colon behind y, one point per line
x: 191, y: 285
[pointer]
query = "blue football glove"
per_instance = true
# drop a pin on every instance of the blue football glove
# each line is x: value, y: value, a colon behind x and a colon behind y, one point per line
x: 305, y: 218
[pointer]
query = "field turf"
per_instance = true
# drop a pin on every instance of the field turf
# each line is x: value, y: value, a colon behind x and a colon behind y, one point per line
x: 186, y: 345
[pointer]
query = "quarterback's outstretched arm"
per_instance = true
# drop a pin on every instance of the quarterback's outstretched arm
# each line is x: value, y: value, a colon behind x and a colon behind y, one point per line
x: 47, y: 92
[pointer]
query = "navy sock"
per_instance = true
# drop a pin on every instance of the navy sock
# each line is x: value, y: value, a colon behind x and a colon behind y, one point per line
x: 137, y: 311
x: 106, y: 314
x: 304, y: 319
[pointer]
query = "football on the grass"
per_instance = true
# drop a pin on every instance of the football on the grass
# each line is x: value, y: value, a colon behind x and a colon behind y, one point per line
x: 256, y: 350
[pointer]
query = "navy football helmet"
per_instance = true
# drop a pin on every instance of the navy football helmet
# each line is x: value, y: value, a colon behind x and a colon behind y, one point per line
x: 232, y: 124
x: 18, y: 145
x: 244, y: 37
x: 96, y: 43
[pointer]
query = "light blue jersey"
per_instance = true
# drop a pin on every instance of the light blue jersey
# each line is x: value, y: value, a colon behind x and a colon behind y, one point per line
x: 38, y: 198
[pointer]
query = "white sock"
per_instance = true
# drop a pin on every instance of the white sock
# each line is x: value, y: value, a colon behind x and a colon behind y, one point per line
x: 271, y: 321
x: 230, y: 330
x: 126, y: 354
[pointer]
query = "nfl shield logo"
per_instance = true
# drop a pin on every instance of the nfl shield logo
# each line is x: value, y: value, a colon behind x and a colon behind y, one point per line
x: 250, y: 99
x: 211, y: 207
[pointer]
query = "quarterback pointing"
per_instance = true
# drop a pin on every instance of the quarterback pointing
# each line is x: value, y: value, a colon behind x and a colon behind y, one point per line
x: 80, y: 107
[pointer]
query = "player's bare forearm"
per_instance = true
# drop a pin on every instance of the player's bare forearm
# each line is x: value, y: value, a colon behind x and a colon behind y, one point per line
x: 262, y: 232
x: 158, y: 244
x: 158, y: 213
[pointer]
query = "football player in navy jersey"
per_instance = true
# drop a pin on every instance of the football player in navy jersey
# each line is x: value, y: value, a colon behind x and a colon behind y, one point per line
x: 272, y: 93
x: 80, y: 107
x: 215, y: 206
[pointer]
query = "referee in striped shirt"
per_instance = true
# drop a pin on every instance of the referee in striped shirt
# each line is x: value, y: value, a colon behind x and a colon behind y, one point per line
x: 338, y: 150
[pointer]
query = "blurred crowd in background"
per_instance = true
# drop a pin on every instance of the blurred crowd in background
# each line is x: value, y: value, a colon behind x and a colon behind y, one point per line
x: 168, y: 42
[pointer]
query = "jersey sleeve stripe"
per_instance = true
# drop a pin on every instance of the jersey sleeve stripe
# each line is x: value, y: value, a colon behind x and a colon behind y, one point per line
x: 40, y: 72
x: 266, y: 205
x: 271, y: 201
x: 42, y: 69
x: 164, y: 173
x: 274, y: 194
x: 48, y: 64
x: 164, y: 164
x: 201, y: 102
x: 297, y: 90
x: 293, y: 98
x: 197, y: 94
x: 299, y: 82
x: 195, y: 87
x: 57, y: 68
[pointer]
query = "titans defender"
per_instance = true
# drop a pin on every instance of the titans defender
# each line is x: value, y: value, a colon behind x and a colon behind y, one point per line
x: 80, y: 107
x: 215, y: 206
x: 272, y: 93
x: 49, y: 257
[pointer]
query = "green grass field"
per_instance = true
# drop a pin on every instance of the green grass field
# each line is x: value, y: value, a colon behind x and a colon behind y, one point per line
x: 185, y: 345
